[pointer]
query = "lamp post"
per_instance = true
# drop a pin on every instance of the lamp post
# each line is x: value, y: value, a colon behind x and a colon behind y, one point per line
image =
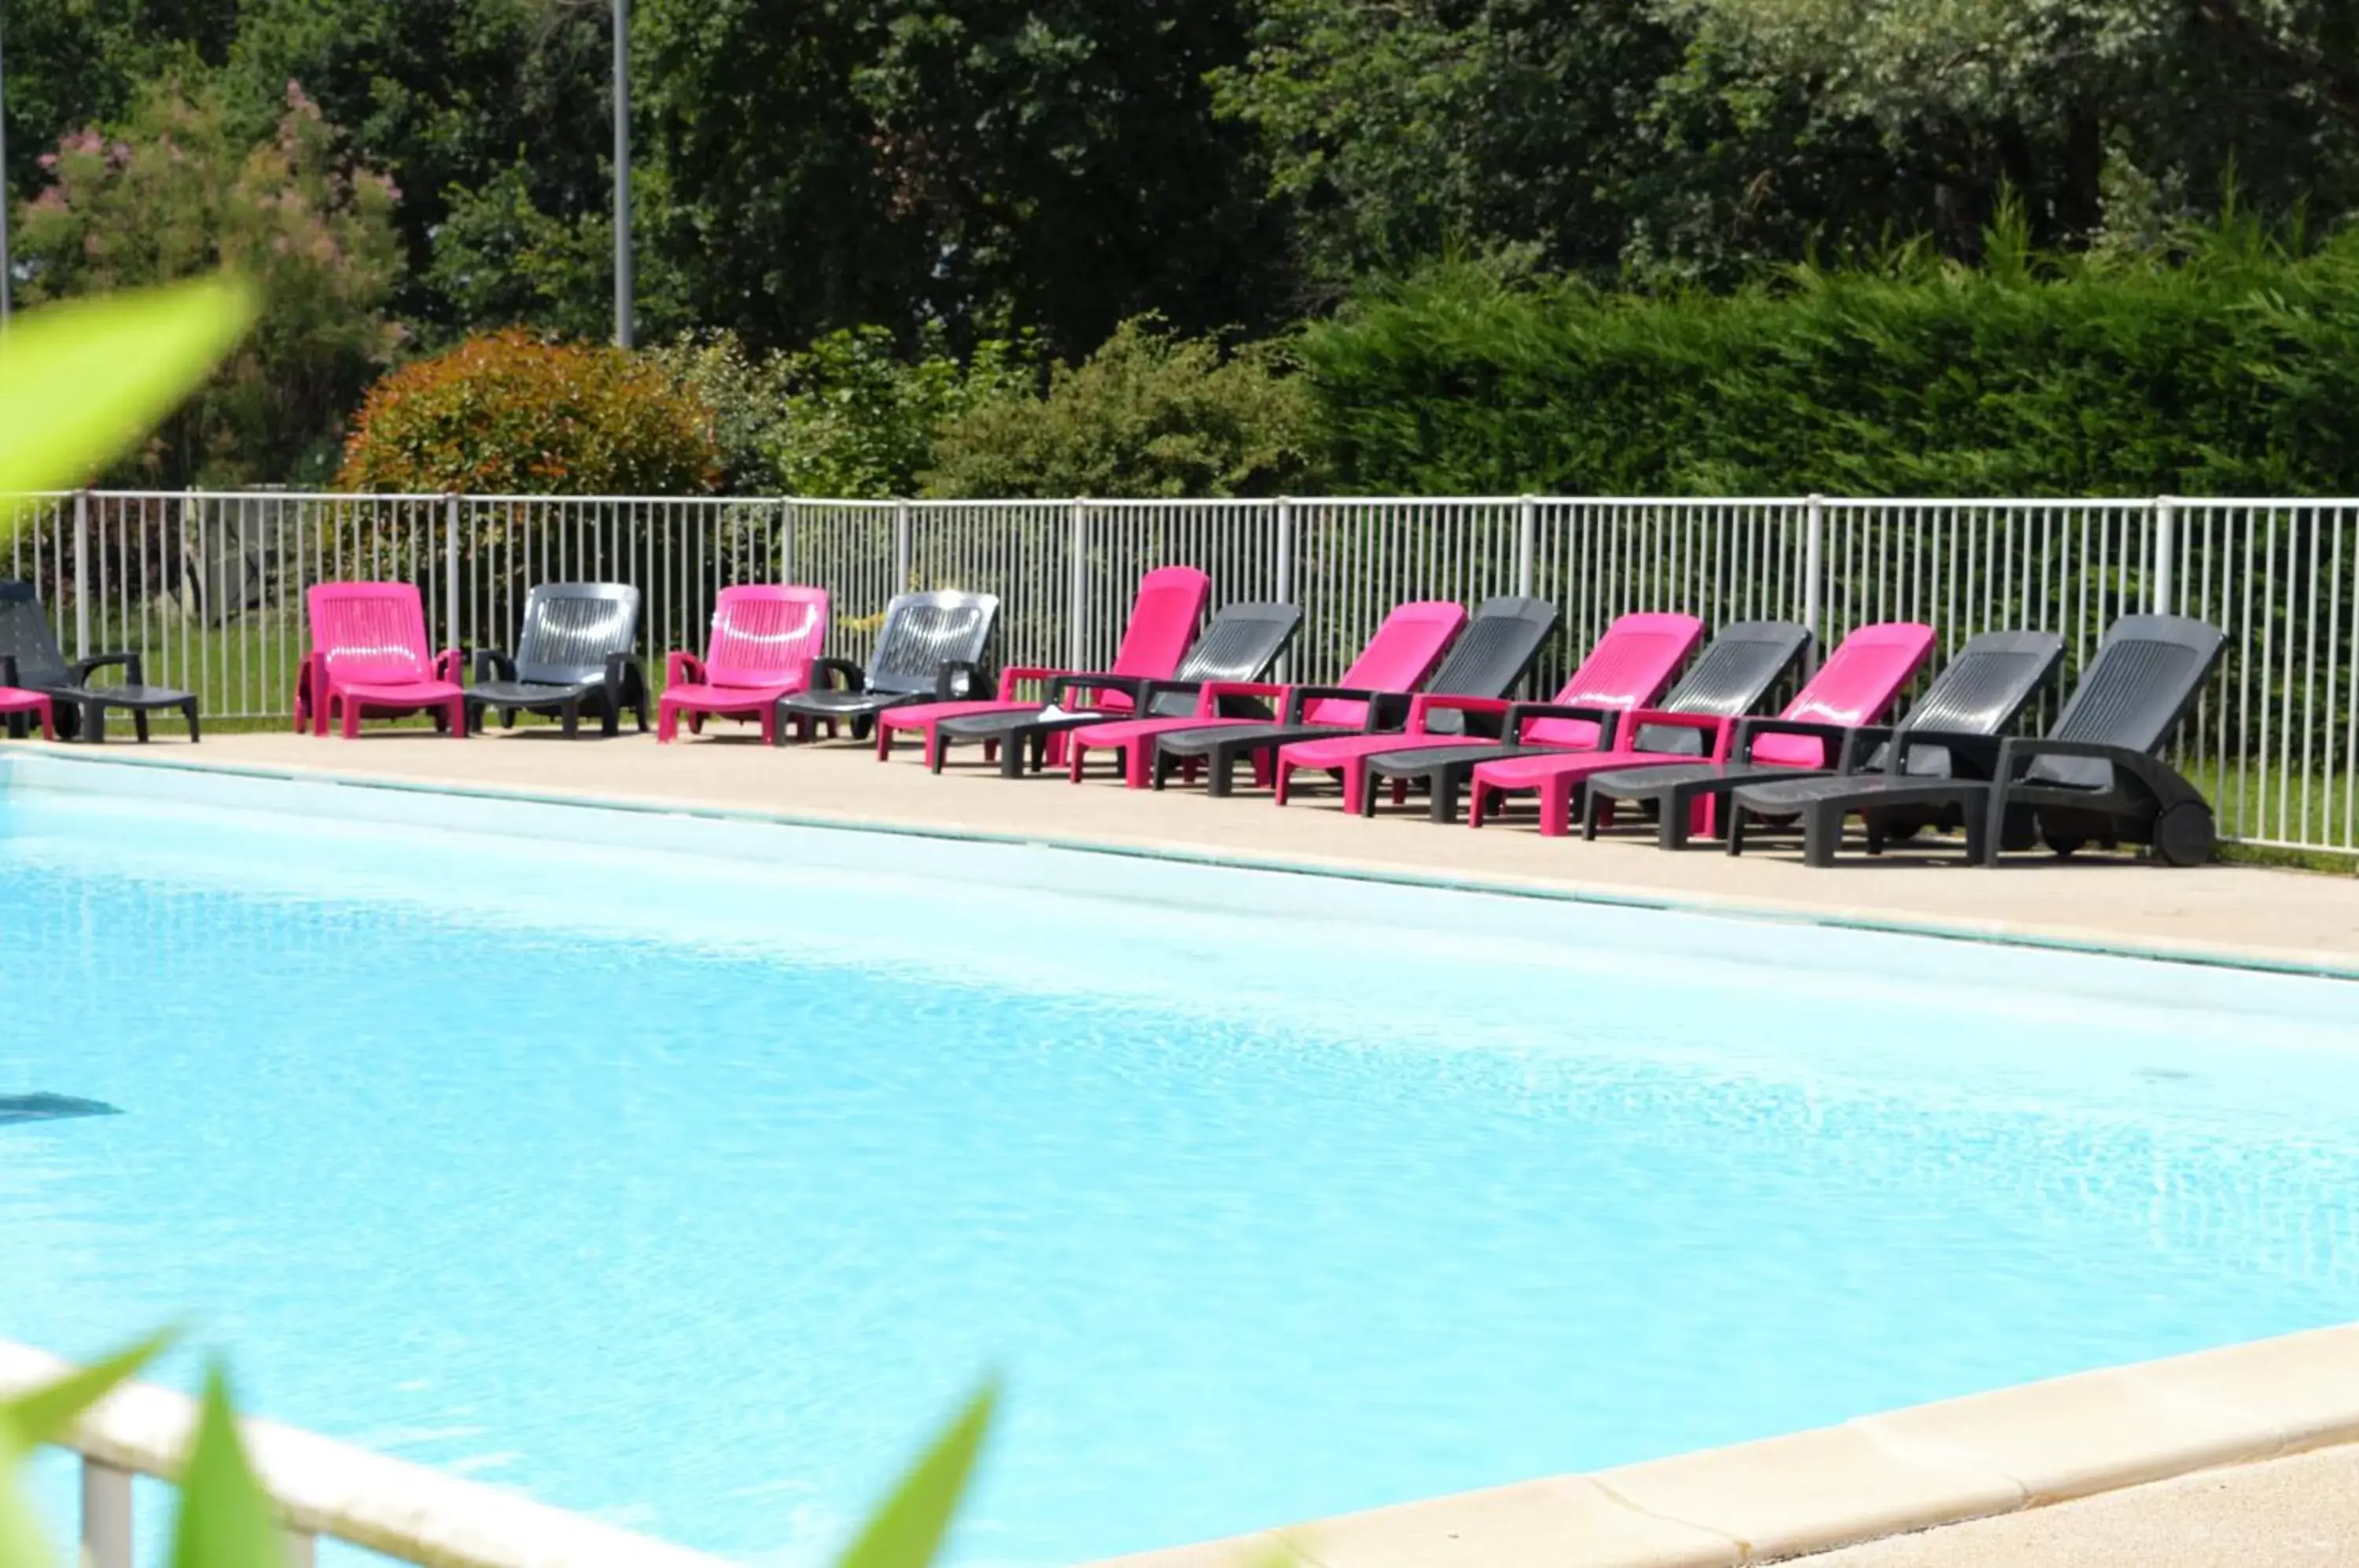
x: 623, y: 173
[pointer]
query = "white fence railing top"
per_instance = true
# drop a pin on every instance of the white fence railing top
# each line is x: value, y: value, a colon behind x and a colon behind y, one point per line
x: 330, y: 1488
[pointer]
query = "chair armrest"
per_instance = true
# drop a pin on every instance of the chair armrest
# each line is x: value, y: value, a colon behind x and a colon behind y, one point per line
x: 955, y: 679
x: 1425, y: 703
x: 7, y: 669
x: 623, y: 675
x: 1382, y: 706
x: 1842, y: 741
x: 451, y: 665
x: 1607, y: 720
x: 824, y: 672
x: 1981, y: 750
x: 682, y: 668
x: 1014, y: 675
x: 1721, y: 728
x: 1097, y: 684
x: 490, y: 663
x: 84, y: 669
x: 1148, y: 695
x: 2158, y: 778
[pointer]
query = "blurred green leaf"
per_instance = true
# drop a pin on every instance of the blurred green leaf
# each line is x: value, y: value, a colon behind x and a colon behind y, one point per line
x: 81, y: 382
x: 909, y: 1530
x: 33, y: 1418
x: 43, y: 1414
x: 227, y: 1520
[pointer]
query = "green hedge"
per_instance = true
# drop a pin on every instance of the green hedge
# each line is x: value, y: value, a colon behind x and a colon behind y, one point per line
x: 2230, y: 369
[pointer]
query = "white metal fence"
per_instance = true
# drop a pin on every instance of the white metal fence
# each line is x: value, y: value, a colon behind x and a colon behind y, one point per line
x: 208, y: 587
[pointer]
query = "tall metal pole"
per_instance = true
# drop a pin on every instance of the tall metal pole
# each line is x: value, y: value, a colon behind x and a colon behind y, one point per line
x: 623, y: 173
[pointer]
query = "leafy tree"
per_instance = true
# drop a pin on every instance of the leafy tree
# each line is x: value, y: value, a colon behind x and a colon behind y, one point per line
x: 492, y: 116
x: 173, y: 193
x: 1396, y: 132
x: 982, y: 163
x: 508, y: 414
x: 1148, y: 414
x: 81, y: 63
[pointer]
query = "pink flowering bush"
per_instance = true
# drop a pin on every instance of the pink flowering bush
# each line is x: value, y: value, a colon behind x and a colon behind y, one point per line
x: 171, y: 193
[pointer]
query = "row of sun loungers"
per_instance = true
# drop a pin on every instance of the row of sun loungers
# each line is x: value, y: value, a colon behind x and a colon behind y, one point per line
x: 1661, y: 717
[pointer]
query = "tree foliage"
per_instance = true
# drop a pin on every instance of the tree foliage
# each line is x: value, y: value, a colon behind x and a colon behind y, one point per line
x: 174, y: 193
x: 507, y: 414
x: 1148, y: 414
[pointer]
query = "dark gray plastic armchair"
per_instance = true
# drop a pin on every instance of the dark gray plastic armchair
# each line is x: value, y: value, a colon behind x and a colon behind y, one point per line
x: 930, y: 649
x: 31, y: 660
x: 574, y: 649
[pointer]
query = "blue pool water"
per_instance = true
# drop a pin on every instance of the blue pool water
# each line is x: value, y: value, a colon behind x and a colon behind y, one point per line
x: 691, y: 1187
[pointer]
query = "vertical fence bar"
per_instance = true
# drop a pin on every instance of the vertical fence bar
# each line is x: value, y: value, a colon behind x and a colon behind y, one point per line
x: 1527, y: 528
x: 81, y: 575
x: 2166, y: 526
x: 302, y: 1547
x: 457, y: 637
x: 105, y: 1516
x: 901, y: 584
x: 1282, y: 577
x: 1814, y: 536
x: 1077, y: 606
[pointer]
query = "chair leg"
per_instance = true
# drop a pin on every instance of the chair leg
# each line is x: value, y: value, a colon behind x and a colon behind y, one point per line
x: 1285, y: 771
x: 190, y: 709
x: 570, y: 716
x: 1822, y: 833
x: 1478, y: 802
x: 1441, y: 795
x: 1734, y: 840
x: 667, y: 723
x: 1556, y: 805
x: 1677, y: 820
x: 138, y: 722
x: 454, y: 718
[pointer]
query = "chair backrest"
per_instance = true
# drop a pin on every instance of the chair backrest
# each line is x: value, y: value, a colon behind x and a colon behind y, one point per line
x: 922, y: 632
x: 370, y: 632
x: 1628, y: 668
x: 1856, y: 685
x: 571, y: 628
x: 1981, y: 690
x: 1742, y: 662
x: 765, y: 634
x: 27, y: 637
x: 1241, y: 644
x: 1163, y: 621
x: 2144, y: 678
x: 1492, y: 655
x: 1398, y: 658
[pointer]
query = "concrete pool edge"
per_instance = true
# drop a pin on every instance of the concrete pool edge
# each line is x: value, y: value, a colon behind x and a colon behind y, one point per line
x: 1892, y: 1474
x: 2029, y: 935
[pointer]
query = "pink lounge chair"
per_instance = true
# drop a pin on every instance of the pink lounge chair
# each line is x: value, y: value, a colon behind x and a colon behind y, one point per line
x: 1857, y: 685
x: 15, y: 703
x: 1163, y: 620
x: 1396, y: 661
x: 766, y: 638
x: 369, y: 655
x: 1628, y: 668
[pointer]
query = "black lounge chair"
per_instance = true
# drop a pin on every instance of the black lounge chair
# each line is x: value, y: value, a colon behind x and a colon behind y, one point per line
x: 1488, y: 659
x: 1981, y: 692
x: 1241, y: 644
x: 2094, y: 776
x: 1735, y: 672
x: 930, y: 649
x: 31, y: 660
x: 575, y: 648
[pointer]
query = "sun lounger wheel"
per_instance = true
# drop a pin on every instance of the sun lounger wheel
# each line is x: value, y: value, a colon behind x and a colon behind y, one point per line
x: 2185, y: 834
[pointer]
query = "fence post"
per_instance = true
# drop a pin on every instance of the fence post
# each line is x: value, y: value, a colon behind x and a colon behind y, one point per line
x: 901, y: 546
x: 2165, y: 544
x: 105, y: 1516
x: 786, y: 539
x: 81, y: 575
x: 1814, y: 542
x: 451, y: 573
x: 1284, y: 587
x: 1077, y: 607
x: 1527, y: 529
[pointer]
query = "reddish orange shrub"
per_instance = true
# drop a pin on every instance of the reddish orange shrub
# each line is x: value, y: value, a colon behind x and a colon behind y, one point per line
x: 507, y: 414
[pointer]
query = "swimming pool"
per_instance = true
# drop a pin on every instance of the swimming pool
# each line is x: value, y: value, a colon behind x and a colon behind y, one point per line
x: 685, y: 1172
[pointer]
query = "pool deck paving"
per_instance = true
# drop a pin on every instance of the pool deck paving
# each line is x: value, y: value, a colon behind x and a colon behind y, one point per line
x: 2246, y: 1455
x: 2304, y: 920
